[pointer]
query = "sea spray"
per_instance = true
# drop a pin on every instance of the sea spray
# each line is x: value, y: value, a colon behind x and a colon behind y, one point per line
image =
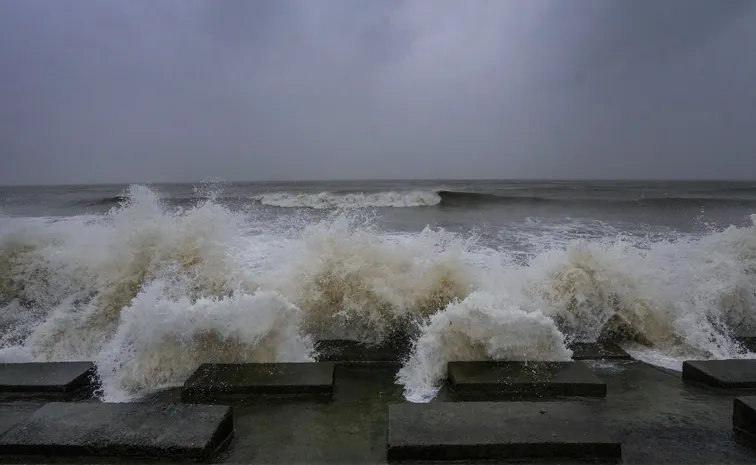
x: 87, y: 281
x: 161, y: 341
x: 353, y: 282
x: 483, y: 326
x: 149, y: 291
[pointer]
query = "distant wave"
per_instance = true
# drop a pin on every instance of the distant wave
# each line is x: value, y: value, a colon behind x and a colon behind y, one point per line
x: 453, y: 198
x: 104, y: 201
x: 325, y: 200
x: 443, y: 198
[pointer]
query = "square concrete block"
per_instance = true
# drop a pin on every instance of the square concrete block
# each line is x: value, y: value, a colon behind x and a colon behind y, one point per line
x: 129, y: 430
x: 726, y: 374
x: 498, y: 431
x: 598, y: 351
x: 744, y: 416
x: 523, y: 380
x: 49, y: 380
x: 237, y: 382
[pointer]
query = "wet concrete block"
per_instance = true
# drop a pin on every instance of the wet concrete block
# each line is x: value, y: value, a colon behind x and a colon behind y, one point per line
x: 598, y: 351
x: 349, y: 351
x: 523, y: 380
x: 52, y: 381
x: 125, y: 430
x: 13, y: 412
x: 228, y: 382
x: 744, y: 418
x: 726, y: 374
x: 498, y: 431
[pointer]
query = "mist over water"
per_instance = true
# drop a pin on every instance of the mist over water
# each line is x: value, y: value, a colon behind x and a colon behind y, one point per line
x: 149, y: 282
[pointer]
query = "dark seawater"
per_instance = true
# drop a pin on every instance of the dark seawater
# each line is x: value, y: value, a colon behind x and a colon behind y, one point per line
x: 633, y: 207
x: 151, y: 280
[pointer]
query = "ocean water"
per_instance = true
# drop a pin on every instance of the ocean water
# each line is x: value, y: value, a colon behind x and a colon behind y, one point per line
x: 151, y: 281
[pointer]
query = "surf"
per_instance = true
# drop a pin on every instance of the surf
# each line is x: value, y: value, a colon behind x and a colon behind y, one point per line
x: 149, y: 291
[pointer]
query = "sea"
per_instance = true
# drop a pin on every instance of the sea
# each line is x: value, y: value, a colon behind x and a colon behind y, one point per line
x: 150, y: 280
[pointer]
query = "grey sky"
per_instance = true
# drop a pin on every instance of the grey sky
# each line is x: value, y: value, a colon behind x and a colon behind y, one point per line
x: 173, y: 90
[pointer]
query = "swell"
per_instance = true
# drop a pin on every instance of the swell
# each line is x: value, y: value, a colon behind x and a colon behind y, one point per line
x: 459, y: 198
x: 442, y: 198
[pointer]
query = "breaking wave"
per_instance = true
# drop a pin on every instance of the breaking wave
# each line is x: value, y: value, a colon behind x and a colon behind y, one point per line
x: 325, y: 200
x: 149, y: 293
x: 449, y: 198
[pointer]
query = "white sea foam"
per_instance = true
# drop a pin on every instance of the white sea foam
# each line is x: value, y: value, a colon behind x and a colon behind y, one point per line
x: 327, y: 200
x: 481, y: 327
x: 150, y: 293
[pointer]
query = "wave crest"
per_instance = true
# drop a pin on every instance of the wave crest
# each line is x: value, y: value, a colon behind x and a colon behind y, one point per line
x: 354, y: 283
x: 328, y: 200
x: 483, y: 326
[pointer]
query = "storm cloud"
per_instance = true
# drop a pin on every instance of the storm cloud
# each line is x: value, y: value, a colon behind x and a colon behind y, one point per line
x: 185, y: 90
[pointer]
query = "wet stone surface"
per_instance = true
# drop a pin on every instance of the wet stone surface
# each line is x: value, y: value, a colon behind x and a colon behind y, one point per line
x: 657, y: 418
x: 523, y: 380
x: 52, y: 381
x: 723, y: 374
x: 157, y: 431
x: 229, y: 382
x: 499, y: 430
x: 744, y: 417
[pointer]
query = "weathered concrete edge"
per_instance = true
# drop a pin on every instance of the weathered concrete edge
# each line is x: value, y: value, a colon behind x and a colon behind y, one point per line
x: 194, y: 393
x: 744, y: 420
x: 81, y: 387
x: 524, y: 391
x: 692, y: 374
x: 221, y: 437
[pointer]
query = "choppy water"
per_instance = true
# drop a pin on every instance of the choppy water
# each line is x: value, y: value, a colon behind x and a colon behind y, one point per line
x: 150, y: 281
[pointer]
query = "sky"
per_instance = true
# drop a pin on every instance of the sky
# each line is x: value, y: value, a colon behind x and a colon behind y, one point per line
x: 99, y: 91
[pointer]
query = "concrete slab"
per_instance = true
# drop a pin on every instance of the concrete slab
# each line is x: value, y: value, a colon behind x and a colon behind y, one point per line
x: 348, y: 351
x: 13, y: 412
x: 744, y: 418
x: 53, y: 380
x: 725, y: 374
x: 238, y: 382
x: 598, y: 351
x: 523, y: 380
x: 498, y: 430
x: 157, y: 431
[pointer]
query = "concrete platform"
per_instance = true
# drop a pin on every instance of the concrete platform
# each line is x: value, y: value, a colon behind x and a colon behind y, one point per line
x: 657, y: 418
x: 346, y: 351
x: 157, y: 431
x: 240, y: 382
x: 498, y: 430
x: 598, y: 351
x: 724, y: 374
x: 51, y: 381
x: 523, y: 380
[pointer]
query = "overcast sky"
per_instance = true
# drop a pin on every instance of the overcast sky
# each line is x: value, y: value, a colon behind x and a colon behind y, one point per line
x: 185, y: 90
